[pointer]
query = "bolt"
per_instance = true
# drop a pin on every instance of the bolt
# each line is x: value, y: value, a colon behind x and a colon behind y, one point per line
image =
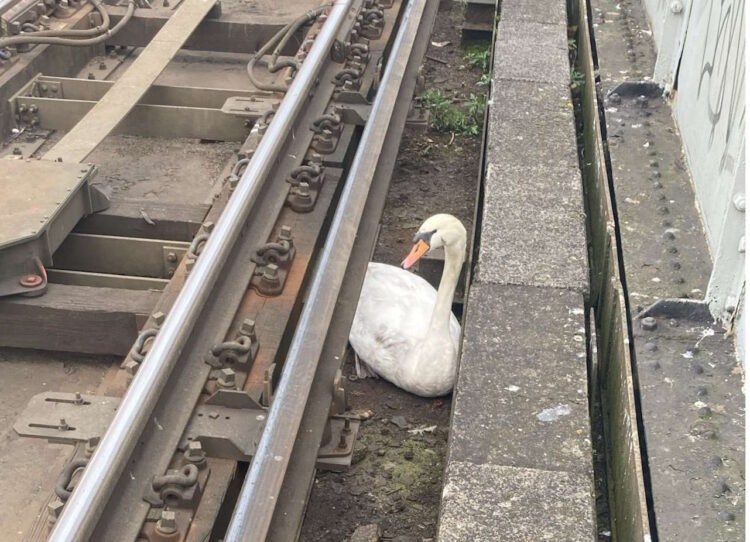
x: 172, y: 257
x: 668, y: 235
x: 189, y: 264
x: 739, y: 202
x: 102, y: 66
x: 30, y: 281
x: 285, y: 234
x: 63, y: 425
x: 113, y: 54
x: 648, y: 323
x: 303, y: 190
x: 342, y: 442
x: 131, y: 367
x: 208, y: 226
x: 194, y: 452
x: 676, y: 7
x: 158, y: 317
x: 271, y: 272
x: 730, y: 304
x: 17, y: 151
x: 248, y: 327
x: 54, y: 509
x: 91, y: 445
x: 91, y: 76
x: 227, y: 378
x: 347, y: 427
x: 167, y: 524
x: 78, y: 400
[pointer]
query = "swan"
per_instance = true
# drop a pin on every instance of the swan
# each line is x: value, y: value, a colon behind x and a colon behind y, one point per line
x: 403, y: 330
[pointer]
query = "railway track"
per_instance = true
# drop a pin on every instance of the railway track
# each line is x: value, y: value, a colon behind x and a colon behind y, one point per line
x: 196, y: 192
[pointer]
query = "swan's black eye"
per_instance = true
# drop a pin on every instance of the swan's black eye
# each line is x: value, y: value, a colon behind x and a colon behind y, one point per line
x: 425, y: 236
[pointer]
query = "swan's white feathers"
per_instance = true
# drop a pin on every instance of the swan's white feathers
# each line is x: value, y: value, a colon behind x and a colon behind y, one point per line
x: 392, y: 317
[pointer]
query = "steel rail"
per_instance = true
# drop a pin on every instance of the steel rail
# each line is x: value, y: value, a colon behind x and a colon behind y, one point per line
x: 257, y: 500
x: 84, y: 507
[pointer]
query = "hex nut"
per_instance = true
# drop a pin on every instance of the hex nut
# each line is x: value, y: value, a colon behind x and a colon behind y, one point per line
x: 194, y: 452
x: 648, y: 323
x: 227, y: 378
x: 167, y: 524
x: 55, y: 508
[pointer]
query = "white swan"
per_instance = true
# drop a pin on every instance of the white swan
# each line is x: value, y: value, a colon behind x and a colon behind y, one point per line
x: 403, y: 329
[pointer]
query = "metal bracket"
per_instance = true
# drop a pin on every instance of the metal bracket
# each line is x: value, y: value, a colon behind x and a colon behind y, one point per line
x: 228, y: 425
x: 337, y: 448
x: 66, y: 418
x: 35, y: 218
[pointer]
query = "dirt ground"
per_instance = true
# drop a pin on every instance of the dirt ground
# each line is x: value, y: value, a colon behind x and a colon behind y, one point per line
x: 396, y: 479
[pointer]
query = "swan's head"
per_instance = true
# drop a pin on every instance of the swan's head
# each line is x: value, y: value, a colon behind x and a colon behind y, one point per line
x: 438, y: 231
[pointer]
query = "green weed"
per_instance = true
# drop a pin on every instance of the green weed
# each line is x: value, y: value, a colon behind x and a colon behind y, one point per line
x: 448, y: 117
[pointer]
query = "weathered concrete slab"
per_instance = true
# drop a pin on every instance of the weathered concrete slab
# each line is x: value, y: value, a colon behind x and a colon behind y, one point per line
x: 492, y: 503
x: 535, y: 11
x: 531, y: 52
x: 521, y: 397
x: 533, y: 230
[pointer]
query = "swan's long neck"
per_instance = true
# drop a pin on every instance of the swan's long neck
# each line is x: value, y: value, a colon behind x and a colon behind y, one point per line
x: 454, y: 257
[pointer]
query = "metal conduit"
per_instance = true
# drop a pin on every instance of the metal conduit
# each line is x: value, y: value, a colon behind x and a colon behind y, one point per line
x: 255, y: 505
x: 82, y: 511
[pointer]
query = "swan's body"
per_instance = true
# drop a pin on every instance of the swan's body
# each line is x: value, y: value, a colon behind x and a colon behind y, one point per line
x: 404, y: 329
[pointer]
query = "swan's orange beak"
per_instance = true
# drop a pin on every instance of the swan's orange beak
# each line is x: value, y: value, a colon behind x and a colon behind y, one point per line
x: 417, y: 251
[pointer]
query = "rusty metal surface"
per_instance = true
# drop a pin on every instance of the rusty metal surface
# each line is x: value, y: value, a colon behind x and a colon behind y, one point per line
x: 139, y: 227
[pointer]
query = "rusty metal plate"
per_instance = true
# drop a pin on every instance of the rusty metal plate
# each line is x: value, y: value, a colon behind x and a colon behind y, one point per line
x: 66, y: 418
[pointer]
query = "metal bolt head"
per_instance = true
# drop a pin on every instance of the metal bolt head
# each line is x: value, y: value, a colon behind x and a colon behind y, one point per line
x: 208, y: 226
x: 271, y: 271
x: 17, y: 151
x: 102, y: 66
x: 131, y: 367
x: 739, y: 202
x: 285, y: 234
x: 55, y: 508
x: 194, y: 452
x: 648, y: 323
x: 227, y: 378
x: 171, y: 257
x: 158, y: 317
x: 167, y: 524
x: 303, y: 189
x: 63, y: 425
x: 248, y: 327
x: 676, y: 7
x: 30, y: 281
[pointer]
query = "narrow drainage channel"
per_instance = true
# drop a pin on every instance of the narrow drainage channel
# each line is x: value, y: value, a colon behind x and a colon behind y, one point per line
x: 621, y: 479
x: 396, y: 478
